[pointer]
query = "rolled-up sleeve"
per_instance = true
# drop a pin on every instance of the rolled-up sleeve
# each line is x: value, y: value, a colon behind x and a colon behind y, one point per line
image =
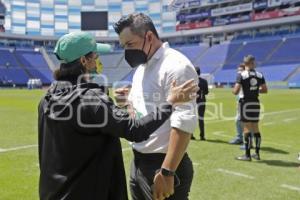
x: 185, y: 116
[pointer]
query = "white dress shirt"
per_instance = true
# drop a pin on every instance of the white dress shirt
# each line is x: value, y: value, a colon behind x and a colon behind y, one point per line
x: 150, y: 88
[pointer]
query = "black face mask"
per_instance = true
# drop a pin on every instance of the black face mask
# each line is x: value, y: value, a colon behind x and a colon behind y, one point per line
x: 136, y: 57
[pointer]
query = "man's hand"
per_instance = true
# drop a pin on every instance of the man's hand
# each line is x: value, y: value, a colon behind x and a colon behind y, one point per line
x: 163, y: 186
x: 121, y: 96
x: 182, y: 93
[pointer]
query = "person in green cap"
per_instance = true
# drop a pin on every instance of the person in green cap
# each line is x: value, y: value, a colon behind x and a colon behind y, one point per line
x: 71, y: 47
x: 80, y: 155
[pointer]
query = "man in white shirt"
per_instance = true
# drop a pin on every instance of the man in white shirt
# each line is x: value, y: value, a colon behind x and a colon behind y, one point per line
x: 161, y: 167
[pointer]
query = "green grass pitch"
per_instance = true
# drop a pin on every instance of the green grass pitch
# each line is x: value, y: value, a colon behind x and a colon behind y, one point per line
x: 216, y: 174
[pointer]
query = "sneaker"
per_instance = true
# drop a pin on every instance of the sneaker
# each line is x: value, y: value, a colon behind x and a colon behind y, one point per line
x: 236, y: 141
x: 193, y: 138
x: 243, y: 158
x: 202, y: 138
x: 255, y: 156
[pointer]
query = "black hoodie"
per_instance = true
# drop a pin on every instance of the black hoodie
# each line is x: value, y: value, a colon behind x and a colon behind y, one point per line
x: 79, y: 158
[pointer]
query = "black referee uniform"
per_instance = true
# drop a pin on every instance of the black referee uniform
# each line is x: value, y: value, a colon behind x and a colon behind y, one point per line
x: 250, y: 82
x: 202, y: 92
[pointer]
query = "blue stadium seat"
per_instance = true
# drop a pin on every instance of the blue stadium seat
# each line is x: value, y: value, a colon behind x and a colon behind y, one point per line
x: 271, y: 73
x: 7, y: 58
x: 295, y: 78
x: 288, y: 53
x: 111, y: 60
x: 226, y: 76
x: 16, y: 75
x: 129, y: 76
x: 277, y: 72
x: 35, y: 64
x: 255, y: 48
x: 216, y: 56
x: 192, y: 52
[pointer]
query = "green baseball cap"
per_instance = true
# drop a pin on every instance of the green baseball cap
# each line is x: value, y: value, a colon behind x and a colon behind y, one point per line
x: 74, y: 45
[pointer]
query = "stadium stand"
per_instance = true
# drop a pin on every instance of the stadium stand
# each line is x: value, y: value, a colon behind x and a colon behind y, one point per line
x: 111, y: 60
x: 271, y: 73
x: 115, y: 67
x: 10, y: 70
x: 277, y: 60
x: 128, y: 76
x: 294, y: 81
x: 295, y: 78
x: 35, y: 65
x: 288, y: 52
x: 7, y: 59
x: 19, y: 65
x: 54, y: 59
x: 216, y: 56
x: 225, y: 76
x: 278, y: 72
x: 254, y: 48
x: 217, y: 50
x: 193, y: 51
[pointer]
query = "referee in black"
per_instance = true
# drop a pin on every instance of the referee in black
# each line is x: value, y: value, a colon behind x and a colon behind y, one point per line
x: 252, y: 82
x: 201, y: 100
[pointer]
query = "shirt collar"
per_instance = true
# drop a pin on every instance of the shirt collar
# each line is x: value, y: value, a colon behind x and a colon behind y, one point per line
x: 159, y: 53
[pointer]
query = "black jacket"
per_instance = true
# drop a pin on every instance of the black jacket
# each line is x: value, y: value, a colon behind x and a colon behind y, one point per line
x: 79, y: 159
x: 202, y: 91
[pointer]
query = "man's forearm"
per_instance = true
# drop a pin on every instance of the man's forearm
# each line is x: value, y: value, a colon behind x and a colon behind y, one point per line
x: 178, y: 143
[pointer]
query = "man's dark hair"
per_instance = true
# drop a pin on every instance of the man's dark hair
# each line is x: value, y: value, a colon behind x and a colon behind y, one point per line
x: 242, y: 66
x: 71, y: 70
x: 248, y: 59
x: 139, y: 24
x: 198, y: 70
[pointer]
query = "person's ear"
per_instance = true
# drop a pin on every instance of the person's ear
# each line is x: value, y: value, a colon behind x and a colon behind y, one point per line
x: 150, y: 36
x: 84, y: 63
x: 83, y: 60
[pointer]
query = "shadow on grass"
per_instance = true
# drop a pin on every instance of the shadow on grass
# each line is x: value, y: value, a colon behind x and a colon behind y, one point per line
x: 274, y: 150
x: 279, y: 163
x: 217, y: 141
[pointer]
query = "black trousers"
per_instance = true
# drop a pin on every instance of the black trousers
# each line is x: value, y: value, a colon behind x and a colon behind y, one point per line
x: 142, y: 173
x: 201, y: 111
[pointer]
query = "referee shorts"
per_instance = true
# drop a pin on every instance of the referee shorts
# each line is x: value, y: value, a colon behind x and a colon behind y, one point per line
x: 249, y: 110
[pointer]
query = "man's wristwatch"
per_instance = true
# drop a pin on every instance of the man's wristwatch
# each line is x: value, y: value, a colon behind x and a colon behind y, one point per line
x: 167, y: 172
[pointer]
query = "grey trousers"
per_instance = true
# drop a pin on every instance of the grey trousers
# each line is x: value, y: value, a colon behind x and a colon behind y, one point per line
x: 142, y: 172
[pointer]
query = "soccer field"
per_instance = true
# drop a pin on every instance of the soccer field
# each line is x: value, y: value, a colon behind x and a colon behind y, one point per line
x: 217, y: 175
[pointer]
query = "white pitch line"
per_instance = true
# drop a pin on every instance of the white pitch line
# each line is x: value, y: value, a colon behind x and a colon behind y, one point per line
x: 290, y: 119
x: 196, y: 164
x: 18, y: 148
x: 268, y: 123
x: 35, y: 145
x: 282, y: 111
x: 218, y: 121
x: 220, y: 133
x: 268, y: 113
x: 290, y: 187
x: 235, y: 173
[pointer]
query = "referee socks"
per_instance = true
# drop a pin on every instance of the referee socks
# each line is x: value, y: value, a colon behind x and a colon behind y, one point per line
x: 257, y: 138
x: 247, y: 138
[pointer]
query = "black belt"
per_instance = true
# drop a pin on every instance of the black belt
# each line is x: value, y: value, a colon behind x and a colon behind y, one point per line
x: 248, y: 99
x: 151, y: 156
x: 148, y: 156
